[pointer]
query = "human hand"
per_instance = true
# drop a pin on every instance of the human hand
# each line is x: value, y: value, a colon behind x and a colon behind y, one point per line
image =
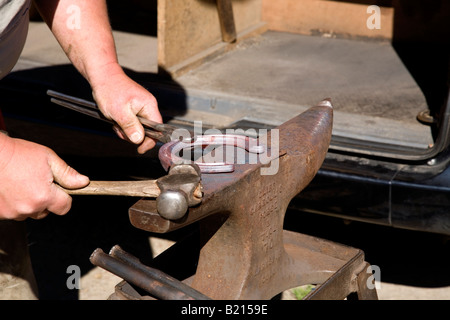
x: 28, y: 172
x: 122, y: 100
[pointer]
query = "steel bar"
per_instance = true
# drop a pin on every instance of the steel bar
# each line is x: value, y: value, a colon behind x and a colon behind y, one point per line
x: 156, y: 274
x: 137, y: 277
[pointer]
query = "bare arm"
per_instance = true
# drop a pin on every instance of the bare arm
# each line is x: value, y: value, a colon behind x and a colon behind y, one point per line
x: 29, y: 173
x: 82, y: 28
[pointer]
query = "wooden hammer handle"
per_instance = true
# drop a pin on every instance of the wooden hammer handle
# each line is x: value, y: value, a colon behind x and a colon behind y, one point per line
x: 144, y: 188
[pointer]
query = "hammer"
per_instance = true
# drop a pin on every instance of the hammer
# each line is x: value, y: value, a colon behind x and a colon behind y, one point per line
x: 174, y: 193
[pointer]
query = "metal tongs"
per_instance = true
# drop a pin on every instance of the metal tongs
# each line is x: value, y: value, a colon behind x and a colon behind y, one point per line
x: 173, y: 142
x: 158, y: 131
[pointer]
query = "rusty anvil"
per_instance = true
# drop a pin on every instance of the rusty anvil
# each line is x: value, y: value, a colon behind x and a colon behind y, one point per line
x: 246, y: 254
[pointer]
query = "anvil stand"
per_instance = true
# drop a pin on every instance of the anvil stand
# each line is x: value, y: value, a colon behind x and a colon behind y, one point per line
x: 241, y: 250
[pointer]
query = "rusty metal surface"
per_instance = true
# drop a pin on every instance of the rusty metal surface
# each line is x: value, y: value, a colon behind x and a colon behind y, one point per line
x: 247, y: 254
x: 351, y: 278
x: 340, y: 270
x: 155, y: 274
x: 155, y: 282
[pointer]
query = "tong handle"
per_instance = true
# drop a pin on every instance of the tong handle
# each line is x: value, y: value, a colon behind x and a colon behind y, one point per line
x: 159, y: 131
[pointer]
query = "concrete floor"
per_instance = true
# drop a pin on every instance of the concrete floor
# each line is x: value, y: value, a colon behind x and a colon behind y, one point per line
x: 138, y: 52
x: 374, y: 96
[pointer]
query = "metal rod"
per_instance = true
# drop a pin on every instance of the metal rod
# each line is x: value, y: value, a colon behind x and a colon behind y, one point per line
x: 137, y: 277
x: 156, y: 274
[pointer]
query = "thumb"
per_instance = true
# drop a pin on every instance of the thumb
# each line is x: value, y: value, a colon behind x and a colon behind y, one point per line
x: 65, y: 175
x: 131, y: 127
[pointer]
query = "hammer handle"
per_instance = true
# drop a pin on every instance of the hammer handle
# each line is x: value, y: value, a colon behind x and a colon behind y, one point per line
x: 144, y: 188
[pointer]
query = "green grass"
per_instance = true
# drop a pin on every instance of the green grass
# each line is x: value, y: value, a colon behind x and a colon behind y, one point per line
x: 302, y: 291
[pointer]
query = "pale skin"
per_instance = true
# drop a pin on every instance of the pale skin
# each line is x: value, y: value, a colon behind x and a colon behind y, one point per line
x: 29, y: 172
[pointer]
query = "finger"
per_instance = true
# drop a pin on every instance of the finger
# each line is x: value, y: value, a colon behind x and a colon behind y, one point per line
x: 61, y: 201
x: 41, y: 215
x: 120, y: 133
x: 146, y: 145
x: 65, y: 175
x: 131, y: 127
x: 150, y: 110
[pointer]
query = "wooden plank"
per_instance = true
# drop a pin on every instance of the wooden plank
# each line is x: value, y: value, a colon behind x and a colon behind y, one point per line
x: 326, y: 17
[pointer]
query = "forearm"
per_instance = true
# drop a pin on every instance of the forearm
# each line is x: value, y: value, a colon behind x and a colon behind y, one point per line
x: 82, y: 28
x: 5, y: 151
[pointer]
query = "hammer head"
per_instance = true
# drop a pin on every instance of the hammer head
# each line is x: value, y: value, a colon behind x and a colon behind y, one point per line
x: 180, y: 189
